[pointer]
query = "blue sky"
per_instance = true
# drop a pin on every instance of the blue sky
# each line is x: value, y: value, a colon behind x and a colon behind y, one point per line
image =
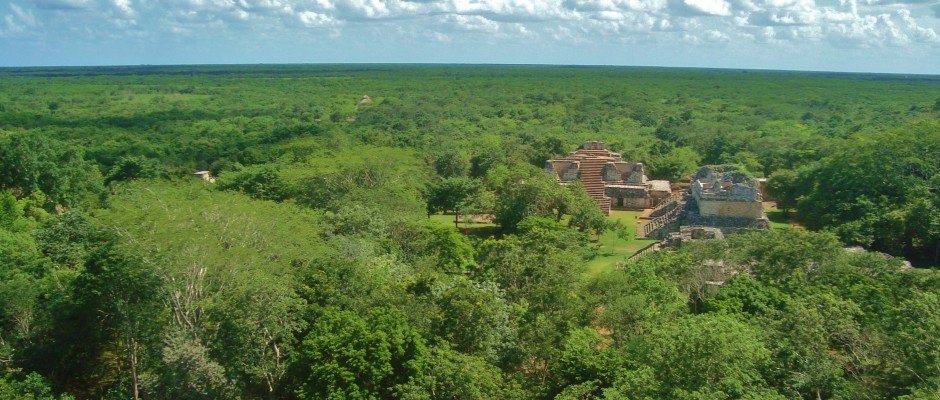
x: 901, y: 36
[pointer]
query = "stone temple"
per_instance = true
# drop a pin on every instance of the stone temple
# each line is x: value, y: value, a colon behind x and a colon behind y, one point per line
x: 727, y: 197
x: 614, y: 183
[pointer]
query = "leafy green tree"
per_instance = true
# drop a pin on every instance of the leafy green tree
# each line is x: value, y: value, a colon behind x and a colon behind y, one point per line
x: 134, y: 167
x: 32, y: 387
x: 123, y: 297
x: 452, y: 194
x: 451, y: 163
x: 66, y: 239
x: 347, y: 356
x: 475, y: 319
x: 743, y: 294
x: 584, y: 212
x: 914, y: 327
x: 675, y: 165
x: 445, y: 249
x: 635, y: 301
x: 189, y: 373
x: 867, y: 189
x: 452, y: 375
x: 35, y: 163
x: 523, y: 192
x: 258, y: 319
x: 707, y: 355
x: 784, y: 187
x: 260, y: 182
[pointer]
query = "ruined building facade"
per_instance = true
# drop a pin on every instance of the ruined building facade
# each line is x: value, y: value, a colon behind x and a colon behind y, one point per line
x: 614, y: 183
x: 727, y: 197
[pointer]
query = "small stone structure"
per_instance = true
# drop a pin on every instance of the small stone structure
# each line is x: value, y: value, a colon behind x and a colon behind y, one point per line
x: 614, y: 183
x: 204, y: 175
x: 728, y: 198
x: 688, y: 234
x: 726, y: 191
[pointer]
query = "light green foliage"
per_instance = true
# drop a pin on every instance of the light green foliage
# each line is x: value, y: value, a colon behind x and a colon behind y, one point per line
x: 440, y: 247
x: 452, y: 194
x: 32, y: 387
x: 916, y: 322
x: 452, y: 375
x: 635, y: 301
x: 583, y: 211
x: 190, y: 373
x: 706, y: 356
x: 227, y: 261
x: 525, y: 192
x: 675, y: 165
x: 786, y: 258
x: 475, y: 319
x: 364, y: 176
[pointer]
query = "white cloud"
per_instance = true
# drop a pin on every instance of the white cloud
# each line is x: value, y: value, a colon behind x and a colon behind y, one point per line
x: 313, y: 19
x: 712, y: 7
x: 916, y: 32
x: 473, y: 23
x: 124, y: 6
x: 19, y: 20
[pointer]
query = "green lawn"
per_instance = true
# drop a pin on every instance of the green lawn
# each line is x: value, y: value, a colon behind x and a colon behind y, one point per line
x: 614, y: 249
x: 448, y: 220
x: 778, y: 220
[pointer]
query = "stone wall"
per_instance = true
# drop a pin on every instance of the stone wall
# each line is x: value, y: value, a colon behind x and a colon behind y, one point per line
x: 626, y: 192
x: 738, y: 209
x: 728, y: 225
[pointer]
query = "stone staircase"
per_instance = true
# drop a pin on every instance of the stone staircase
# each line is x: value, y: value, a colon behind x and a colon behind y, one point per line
x: 590, y: 176
x: 665, y: 214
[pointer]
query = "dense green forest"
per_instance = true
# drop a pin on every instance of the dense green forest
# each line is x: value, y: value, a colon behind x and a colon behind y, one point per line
x: 315, y: 265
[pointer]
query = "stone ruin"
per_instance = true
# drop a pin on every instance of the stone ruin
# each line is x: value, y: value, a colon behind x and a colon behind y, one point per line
x: 614, y: 183
x: 688, y: 234
x: 728, y: 198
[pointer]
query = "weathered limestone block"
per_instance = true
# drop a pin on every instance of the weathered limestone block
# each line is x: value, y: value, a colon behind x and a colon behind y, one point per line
x: 626, y: 192
x: 721, y: 208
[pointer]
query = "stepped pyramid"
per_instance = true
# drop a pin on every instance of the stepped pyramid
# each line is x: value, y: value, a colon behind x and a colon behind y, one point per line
x: 587, y: 165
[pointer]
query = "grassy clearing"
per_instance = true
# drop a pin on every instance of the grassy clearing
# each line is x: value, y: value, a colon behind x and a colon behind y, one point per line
x: 448, y: 220
x: 613, y: 249
x: 778, y: 220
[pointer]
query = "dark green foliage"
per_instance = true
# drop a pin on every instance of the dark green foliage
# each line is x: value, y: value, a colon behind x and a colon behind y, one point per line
x: 134, y: 167
x: 350, y: 357
x: 784, y: 187
x: 35, y: 164
x: 452, y: 194
x: 876, y: 191
x: 66, y: 239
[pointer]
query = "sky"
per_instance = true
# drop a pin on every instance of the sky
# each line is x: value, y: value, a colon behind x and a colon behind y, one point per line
x: 894, y: 36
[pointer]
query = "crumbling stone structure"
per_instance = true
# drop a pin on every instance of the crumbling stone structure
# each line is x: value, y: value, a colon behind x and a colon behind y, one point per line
x: 726, y: 197
x: 614, y: 183
x: 688, y: 234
